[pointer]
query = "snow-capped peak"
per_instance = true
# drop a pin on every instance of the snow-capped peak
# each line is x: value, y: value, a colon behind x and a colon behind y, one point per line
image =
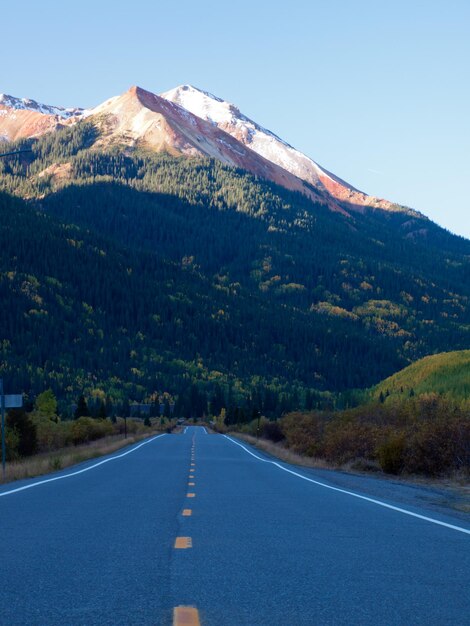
x: 31, y: 105
x: 262, y: 141
x: 228, y: 117
x: 200, y: 103
x: 213, y: 109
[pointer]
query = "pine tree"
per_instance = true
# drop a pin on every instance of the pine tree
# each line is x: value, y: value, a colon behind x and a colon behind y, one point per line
x: 82, y: 408
x: 109, y: 407
x: 102, y: 411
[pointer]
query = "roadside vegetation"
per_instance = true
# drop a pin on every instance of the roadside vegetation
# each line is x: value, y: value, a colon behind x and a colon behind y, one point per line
x: 416, y: 422
x: 38, y: 441
x: 423, y: 435
x: 402, y: 427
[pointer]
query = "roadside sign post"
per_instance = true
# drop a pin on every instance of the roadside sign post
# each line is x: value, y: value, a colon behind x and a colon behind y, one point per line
x: 2, y: 401
x: 10, y: 401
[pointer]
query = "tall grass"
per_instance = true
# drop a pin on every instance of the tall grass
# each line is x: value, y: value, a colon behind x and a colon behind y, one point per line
x: 55, y: 460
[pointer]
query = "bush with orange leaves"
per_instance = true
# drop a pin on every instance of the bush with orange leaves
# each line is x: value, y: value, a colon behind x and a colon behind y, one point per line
x: 428, y: 434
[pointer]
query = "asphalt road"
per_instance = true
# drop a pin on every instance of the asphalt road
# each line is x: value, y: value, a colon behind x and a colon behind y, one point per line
x: 95, y: 544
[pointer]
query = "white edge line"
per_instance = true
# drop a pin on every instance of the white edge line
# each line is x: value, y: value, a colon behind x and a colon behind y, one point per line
x: 352, y: 493
x: 85, y: 469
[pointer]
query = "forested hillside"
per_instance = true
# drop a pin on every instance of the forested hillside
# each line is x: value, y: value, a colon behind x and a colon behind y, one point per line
x: 447, y: 374
x: 138, y: 272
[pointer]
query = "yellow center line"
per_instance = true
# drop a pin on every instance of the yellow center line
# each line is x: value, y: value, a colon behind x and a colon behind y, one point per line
x: 187, y: 512
x: 186, y: 616
x: 182, y: 543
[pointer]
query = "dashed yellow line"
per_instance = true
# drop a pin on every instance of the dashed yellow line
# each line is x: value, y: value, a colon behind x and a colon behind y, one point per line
x: 182, y: 543
x: 186, y: 616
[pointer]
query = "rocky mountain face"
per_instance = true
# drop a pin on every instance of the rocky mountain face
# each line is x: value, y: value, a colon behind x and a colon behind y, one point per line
x: 262, y: 141
x: 189, y: 122
x: 21, y: 118
x: 139, y: 118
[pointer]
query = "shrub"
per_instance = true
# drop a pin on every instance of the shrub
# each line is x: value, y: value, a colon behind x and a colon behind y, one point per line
x: 345, y: 442
x: 86, y: 429
x: 272, y: 431
x: 51, y: 435
x: 21, y: 422
x: 439, y: 446
x: 12, y: 440
x: 132, y: 426
x: 391, y: 454
x: 303, y: 432
x: 252, y: 427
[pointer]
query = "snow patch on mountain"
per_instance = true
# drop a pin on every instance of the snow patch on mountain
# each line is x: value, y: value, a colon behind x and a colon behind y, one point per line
x: 228, y: 117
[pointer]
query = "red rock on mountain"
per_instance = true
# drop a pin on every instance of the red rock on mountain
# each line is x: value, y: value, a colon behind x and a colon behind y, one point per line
x: 189, y: 122
x: 141, y: 118
x: 23, y: 118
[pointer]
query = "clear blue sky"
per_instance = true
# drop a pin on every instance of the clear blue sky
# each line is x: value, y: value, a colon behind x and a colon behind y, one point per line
x: 377, y: 92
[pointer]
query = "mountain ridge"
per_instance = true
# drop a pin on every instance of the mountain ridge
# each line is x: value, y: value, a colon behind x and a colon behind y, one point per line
x: 244, y: 143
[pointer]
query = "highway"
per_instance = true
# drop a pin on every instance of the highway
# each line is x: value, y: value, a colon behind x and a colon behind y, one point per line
x: 205, y: 521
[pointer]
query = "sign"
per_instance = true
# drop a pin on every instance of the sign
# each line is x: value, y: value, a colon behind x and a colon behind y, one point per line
x: 13, y: 401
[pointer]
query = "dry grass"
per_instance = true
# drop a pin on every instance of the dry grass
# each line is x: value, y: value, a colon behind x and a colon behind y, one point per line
x: 358, y: 466
x: 279, y: 451
x: 59, y: 459
x: 456, y: 484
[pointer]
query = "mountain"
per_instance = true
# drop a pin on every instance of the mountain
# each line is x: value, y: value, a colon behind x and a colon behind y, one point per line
x: 138, y: 253
x: 141, y: 118
x: 229, y: 118
x: 190, y: 122
x: 24, y: 118
x: 135, y: 303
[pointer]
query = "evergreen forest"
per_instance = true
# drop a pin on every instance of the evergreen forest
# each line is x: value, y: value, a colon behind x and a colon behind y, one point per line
x: 129, y: 274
